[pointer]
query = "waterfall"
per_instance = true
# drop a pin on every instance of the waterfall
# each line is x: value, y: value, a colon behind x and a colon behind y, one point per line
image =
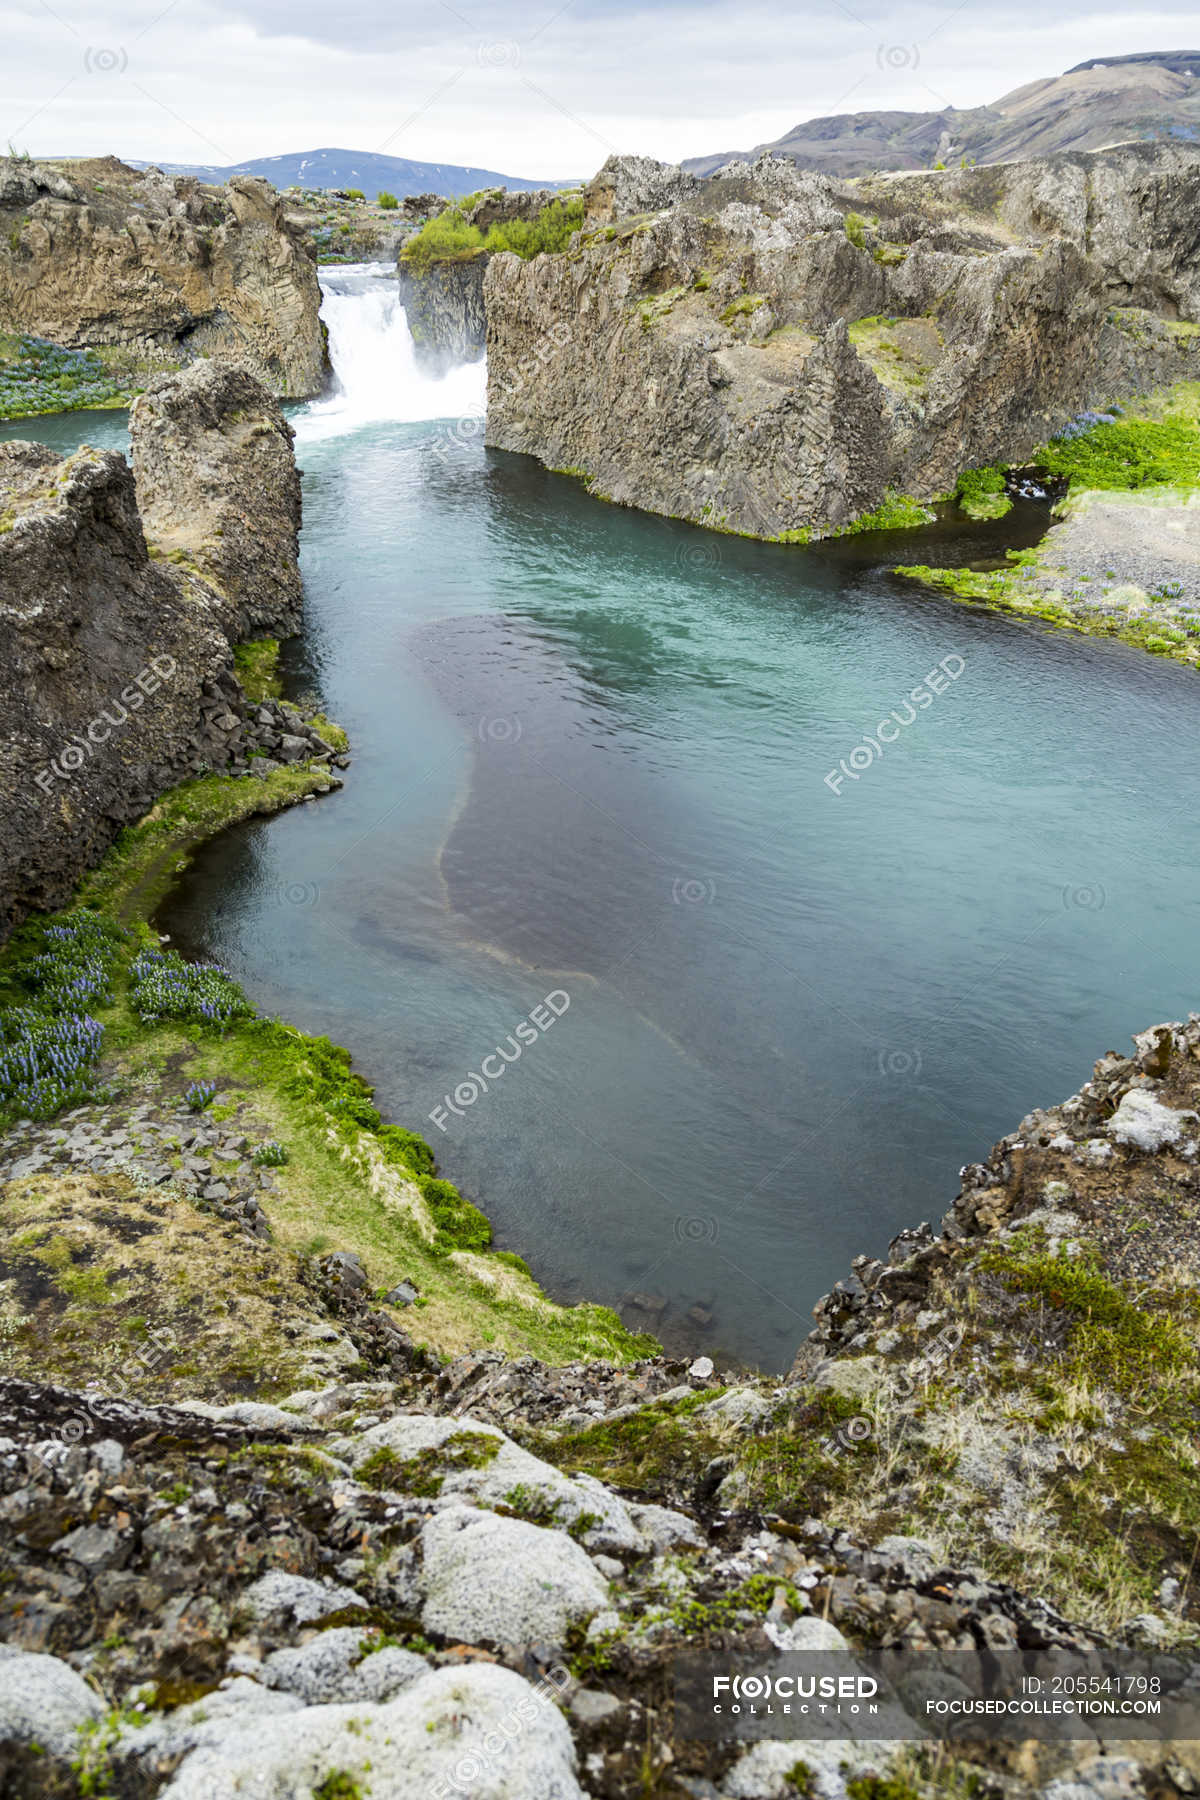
x: 376, y: 376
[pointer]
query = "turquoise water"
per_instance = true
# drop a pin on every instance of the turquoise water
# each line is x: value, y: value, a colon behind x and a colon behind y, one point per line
x: 590, y: 751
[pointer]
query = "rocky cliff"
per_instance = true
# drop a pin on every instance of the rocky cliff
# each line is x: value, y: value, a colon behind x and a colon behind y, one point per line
x: 116, y: 674
x: 766, y: 352
x: 443, y: 303
x: 442, y: 294
x: 217, y: 483
x: 95, y: 253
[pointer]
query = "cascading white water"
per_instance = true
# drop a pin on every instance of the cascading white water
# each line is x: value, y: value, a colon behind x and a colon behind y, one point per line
x: 374, y: 361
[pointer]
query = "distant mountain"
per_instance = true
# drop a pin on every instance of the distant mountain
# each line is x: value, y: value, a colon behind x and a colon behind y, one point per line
x: 1154, y: 94
x: 360, y: 169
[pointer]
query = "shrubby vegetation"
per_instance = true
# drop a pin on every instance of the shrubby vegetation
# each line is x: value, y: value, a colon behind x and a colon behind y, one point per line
x: 163, y: 986
x: 56, y: 971
x: 451, y: 237
x: 1099, y: 450
x: 981, y: 493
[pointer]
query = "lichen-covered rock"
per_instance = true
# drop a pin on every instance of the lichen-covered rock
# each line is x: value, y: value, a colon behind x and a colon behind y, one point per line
x: 332, y: 1667
x: 42, y: 1701
x: 478, y: 1730
x: 460, y: 1456
x: 492, y: 1580
x: 634, y: 184
x: 108, y: 255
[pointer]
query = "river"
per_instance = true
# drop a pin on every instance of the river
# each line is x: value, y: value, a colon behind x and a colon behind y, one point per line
x: 803, y: 969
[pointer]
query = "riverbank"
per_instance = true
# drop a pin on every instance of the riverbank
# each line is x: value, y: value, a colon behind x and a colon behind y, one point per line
x: 349, y: 1182
x: 1123, y: 557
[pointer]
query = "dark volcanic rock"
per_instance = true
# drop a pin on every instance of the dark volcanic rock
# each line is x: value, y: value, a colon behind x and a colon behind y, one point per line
x: 109, y: 660
x: 217, y: 482
x: 443, y: 304
x: 116, y: 674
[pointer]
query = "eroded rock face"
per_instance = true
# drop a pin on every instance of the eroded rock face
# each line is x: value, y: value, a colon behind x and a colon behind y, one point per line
x: 770, y: 353
x: 161, y: 264
x: 116, y: 676
x: 634, y: 184
x: 217, y: 481
x: 444, y: 308
x: 109, y: 660
x: 1134, y: 209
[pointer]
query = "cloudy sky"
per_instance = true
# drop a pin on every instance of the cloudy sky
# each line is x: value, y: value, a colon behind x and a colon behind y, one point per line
x: 528, y: 89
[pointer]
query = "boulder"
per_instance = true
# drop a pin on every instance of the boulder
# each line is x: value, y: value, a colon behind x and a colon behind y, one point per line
x: 480, y: 1730
x: 492, y: 1580
x: 332, y: 1667
x: 43, y: 1701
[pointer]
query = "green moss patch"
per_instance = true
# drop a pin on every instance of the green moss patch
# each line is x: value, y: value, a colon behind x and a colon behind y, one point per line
x: 257, y: 668
x: 901, y: 353
x: 425, y: 1474
x: 981, y: 494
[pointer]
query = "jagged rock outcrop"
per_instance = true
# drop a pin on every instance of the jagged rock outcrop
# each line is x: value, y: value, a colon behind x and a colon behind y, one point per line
x: 443, y: 303
x: 1134, y: 210
x: 771, y: 354
x: 95, y: 253
x: 116, y: 676
x: 626, y: 185
x: 217, y: 482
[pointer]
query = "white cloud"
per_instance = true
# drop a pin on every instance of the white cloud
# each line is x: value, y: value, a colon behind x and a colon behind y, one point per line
x: 511, y: 87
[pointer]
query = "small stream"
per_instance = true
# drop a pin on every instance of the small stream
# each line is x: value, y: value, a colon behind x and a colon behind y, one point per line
x: 590, y: 760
